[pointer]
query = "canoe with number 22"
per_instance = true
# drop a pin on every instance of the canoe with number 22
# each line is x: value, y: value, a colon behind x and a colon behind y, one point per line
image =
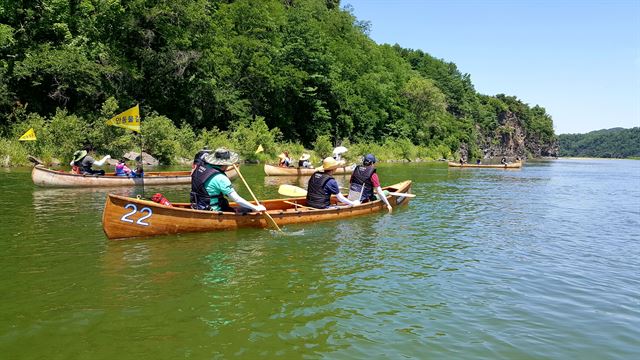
x: 125, y: 217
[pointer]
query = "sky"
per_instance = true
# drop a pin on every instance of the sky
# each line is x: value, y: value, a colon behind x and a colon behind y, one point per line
x: 580, y: 60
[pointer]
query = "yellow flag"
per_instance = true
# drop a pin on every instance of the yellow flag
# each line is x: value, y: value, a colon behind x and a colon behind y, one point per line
x: 259, y: 149
x: 128, y: 119
x: 30, y: 135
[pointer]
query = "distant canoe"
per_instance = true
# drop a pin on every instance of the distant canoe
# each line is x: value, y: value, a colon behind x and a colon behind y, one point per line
x: 126, y: 217
x: 515, y: 165
x: 55, y: 178
x: 272, y: 170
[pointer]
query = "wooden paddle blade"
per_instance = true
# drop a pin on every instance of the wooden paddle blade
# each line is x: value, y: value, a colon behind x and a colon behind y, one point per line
x: 402, y: 194
x: 293, y: 191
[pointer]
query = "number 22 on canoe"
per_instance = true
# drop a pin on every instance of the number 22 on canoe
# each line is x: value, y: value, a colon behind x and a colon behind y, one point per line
x: 264, y: 213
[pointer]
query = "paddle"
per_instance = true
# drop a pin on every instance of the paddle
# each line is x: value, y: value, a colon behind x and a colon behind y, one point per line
x: 294, y: 191
x: 264, y: 213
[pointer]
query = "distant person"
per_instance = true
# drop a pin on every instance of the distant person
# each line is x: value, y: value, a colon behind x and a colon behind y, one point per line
x: 285, y: 160
x: 322, y: 185
x: 363, y: 180
x: 503, y: 161
x: 304, y: 161
x: 478, y: 162
x: 122, y: 169
x: 84, y: 162
x: 138, y: 173
x: 210, y: 185
x: 462, y: 162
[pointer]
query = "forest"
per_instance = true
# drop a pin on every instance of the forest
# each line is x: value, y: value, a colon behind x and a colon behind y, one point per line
x: 297, y: 74
x: 609, y: 143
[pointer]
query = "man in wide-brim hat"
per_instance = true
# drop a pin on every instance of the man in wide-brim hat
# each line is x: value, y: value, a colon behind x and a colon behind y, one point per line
x: 83, y: 163
x: 304, y: 161
x: 210, y: 184
x: 322, y: 185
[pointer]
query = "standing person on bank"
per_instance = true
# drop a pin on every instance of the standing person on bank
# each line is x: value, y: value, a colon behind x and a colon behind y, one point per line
x: 84, y: 162
x: 210, y: 185
x: 322, y: 185
x: 363, y: 180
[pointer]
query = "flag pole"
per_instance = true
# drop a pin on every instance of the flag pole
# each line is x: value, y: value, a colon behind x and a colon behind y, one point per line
x: 141, y: 159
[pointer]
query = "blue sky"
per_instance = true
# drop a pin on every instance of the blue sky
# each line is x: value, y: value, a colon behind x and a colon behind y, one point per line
x: 580, y: 60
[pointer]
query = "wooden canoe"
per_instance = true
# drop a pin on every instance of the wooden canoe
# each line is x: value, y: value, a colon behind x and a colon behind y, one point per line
x: 515, y: 165
x: 272, y: 170
x: 55, y: 178
x: 126, y: 217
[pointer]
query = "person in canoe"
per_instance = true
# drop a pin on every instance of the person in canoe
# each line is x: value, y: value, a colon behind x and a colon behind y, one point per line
x: 322, y: 185
x: 363, y: 180
x: 82, y: 163
x: 285, y: 160
x: 503, y: 161
x: 210, y: 185
x: 122, y: 169
x: 304, y: 162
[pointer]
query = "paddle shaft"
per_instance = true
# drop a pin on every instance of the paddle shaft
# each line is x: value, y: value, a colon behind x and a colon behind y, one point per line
x: 266, y: 214
x: 296, y: 204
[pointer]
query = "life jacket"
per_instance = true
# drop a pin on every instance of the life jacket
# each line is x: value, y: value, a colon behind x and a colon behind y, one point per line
x: 122, y: 169
x: 160, y: 199
x: 301, y: 163
x: 316, y: 196
x: 361, y: 183
x: 200, y: 198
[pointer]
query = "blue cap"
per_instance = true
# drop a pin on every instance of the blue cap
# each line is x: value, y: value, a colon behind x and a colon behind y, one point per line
x: 370, y: 158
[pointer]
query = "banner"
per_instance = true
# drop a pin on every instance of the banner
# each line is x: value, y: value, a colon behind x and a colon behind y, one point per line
x: 30, y: 135
x: 128, y: 119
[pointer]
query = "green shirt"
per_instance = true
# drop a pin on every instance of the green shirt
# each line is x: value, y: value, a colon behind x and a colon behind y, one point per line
x: 216, y: 185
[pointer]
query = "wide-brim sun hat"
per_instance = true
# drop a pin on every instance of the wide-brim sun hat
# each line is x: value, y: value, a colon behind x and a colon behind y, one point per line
x: 305, y: 157
x: 330, y: 163
x: 78, y: 155
x: 221, y: 157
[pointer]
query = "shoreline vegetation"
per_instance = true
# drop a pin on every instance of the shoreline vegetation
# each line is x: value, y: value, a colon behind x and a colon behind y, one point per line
x: 287, y: 75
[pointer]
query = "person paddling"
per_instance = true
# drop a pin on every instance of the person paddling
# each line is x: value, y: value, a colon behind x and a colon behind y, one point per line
x: 363, y: 180
x: 304, y: 161
x: 322, y: 185
x: 210, y: 185
x: 84, y: 162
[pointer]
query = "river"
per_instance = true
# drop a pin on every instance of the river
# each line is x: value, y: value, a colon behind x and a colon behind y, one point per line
x: 537, y: 263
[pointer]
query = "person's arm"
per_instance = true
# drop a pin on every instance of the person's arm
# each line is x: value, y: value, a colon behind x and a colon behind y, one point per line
x: 72, y: 163
x: 244, y: 203
x: 344, y: 200
x: 376, y: 184
x: 101, y: 161
x: 333, y: 188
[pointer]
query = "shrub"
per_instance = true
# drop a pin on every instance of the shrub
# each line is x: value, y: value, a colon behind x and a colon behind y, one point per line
x: 322, y: 146
x: 248, y: 135
x: 159, y: 134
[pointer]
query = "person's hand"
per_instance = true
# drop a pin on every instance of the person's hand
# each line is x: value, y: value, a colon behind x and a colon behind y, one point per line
x: 390, y: 209
x: 260, y: 208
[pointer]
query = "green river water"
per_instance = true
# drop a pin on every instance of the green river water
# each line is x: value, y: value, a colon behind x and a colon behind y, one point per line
x: 537, y: 263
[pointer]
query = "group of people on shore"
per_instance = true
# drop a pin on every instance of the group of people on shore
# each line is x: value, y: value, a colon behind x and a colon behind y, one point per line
x: 210, y: 186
